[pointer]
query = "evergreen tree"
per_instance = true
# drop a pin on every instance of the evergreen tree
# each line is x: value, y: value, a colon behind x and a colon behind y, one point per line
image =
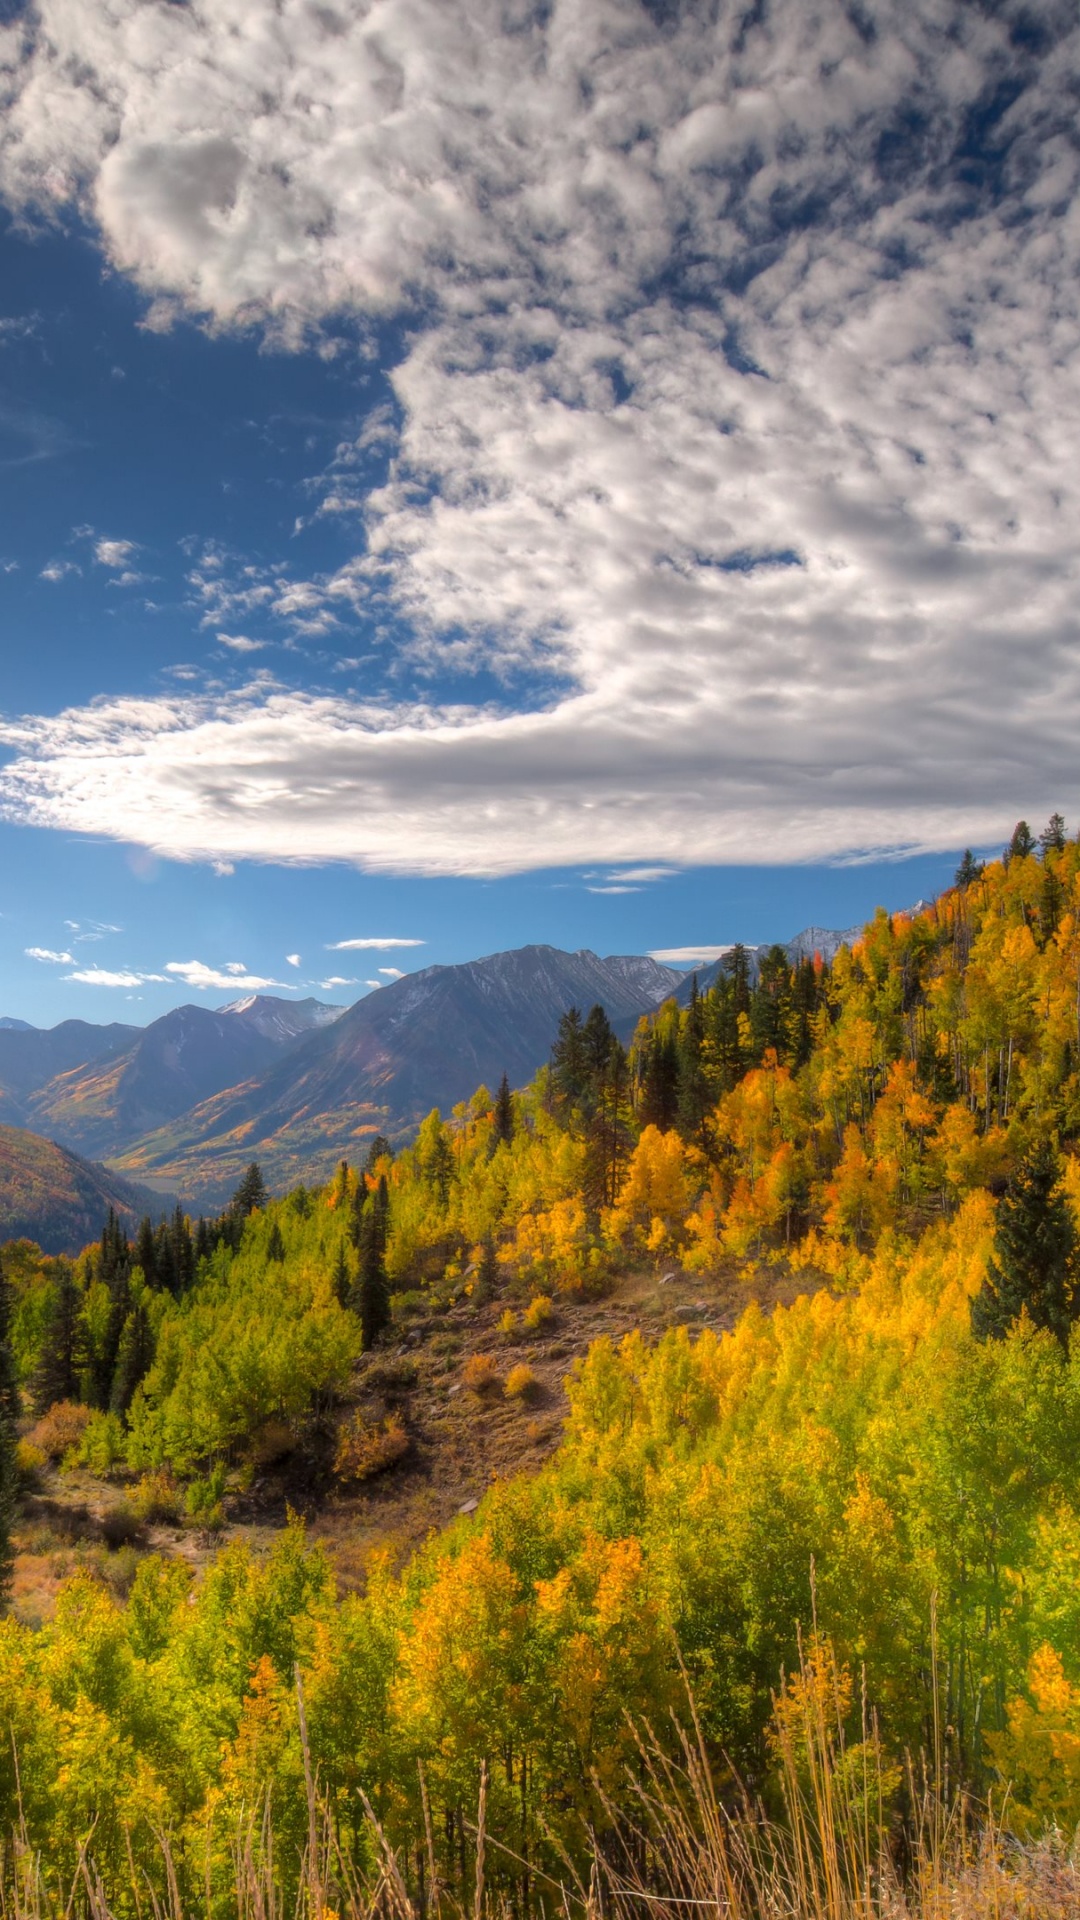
x: 204, y: 1240
x: 379, y: 1149
x: 659, y: 1105
x: 968, y: 871
x: 770, y: 1004
x: 275, y: 1246
x: 609, y: 1134
x: 134, y: 1357
x: 183, y: 1251
x: 165, y: 1273
x: 487, y: 1277
x: 569, y: 1062
x: 1034, y: 1264
x: 1052, y: 837
x: 341, y: 1278
x: 504, y: 1114
x: 114, y: 1270
x: 57, y: 1374
x: 251, y: 1192
x: 9, y: 1416
x: 694, y: 1092
x: 1022, y: 843
x: 146, y: 1251
x: 373, y: 1287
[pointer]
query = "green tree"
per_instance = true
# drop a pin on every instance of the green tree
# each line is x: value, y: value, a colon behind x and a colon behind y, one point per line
x: 275, y: 1246
x: 373, y: 1287
x: 341, y: 1278
x: 9, y: 1415
x: 379, y: 1148
x: 56, y: 1376
x: 487, y: 1275
x: 251, y: 1192
x: 569, y: 1062
x: 504, y: 1113
x: 968, y: 871
x: 1034, y: 1263
x: 1052, y: 837
x: 1022, y: 843
x: 659, y: 1106
x: 134, y: 1357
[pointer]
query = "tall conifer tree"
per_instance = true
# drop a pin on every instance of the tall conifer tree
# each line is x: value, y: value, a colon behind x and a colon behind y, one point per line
x: 9, y: 1415
x: 1034, y: 1267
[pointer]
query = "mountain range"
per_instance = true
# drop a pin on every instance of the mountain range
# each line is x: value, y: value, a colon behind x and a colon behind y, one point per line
x: 187, y: 1102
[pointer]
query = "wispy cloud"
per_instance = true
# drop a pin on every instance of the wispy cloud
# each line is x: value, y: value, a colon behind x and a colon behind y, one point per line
x: 108, y: 977
x: 392, y: 973
x: 48, y: 954
x: 195, y: 973
x: 58, y: 570
x: 240, y: 643
x: 376, y: 944
x: 292, y: 959
x: 336, y: 980
x: 687, y: 956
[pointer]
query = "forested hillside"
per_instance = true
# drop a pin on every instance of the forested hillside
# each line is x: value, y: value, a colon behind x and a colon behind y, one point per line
x: 879, y: 1481
x: 57, y: 1199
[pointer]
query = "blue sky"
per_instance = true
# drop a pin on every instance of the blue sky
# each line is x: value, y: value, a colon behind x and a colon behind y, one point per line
x: 599, y: 475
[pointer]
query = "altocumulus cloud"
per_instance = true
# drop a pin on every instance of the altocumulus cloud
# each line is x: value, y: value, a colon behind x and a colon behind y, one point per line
x: 740, y: 402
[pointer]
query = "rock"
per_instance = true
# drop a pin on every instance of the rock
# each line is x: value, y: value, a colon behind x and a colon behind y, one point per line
x: 469, y: 1506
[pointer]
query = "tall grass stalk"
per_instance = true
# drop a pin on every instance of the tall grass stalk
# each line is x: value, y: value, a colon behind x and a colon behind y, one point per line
x: 832, y: 1846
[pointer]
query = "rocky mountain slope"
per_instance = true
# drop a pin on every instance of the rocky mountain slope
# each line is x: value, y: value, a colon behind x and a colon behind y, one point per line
x: 173, y: 1064
x: 32, y: 1056
x: 429, y: 1040
x: 58, y: 1199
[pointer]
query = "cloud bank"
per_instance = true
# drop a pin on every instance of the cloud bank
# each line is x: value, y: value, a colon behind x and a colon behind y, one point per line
x: 739, y: 405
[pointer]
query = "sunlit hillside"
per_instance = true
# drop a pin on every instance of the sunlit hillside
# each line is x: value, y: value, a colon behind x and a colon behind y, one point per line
x: 842, y: 1528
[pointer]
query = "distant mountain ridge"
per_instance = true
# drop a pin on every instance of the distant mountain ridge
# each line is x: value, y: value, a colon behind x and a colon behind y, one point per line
x: 428, y: 1040
x: 32, y: 1056
x: 176, y: 1062
x: 192, y: 1098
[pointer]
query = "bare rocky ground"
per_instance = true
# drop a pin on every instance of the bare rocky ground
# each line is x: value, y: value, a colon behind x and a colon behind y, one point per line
x: 460, y: 1440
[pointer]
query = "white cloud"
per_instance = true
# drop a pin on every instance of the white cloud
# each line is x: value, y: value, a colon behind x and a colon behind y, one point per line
x: 378, y: 945
x: 48, y: 954
x: 613, y: 889
x: 194, y: 973
x: 114, y: 553
x: 106, y: 977
x: 736, y: 425
x: 292, y: 959
x: 643, y: 876
x: 392, y: 973
x: 58, y: 570
x: 240, y: 643
x: 336, y: 980
x: 687, y: 956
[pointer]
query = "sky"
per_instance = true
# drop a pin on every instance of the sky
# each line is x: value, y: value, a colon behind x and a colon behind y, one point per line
x: 596, y: 471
